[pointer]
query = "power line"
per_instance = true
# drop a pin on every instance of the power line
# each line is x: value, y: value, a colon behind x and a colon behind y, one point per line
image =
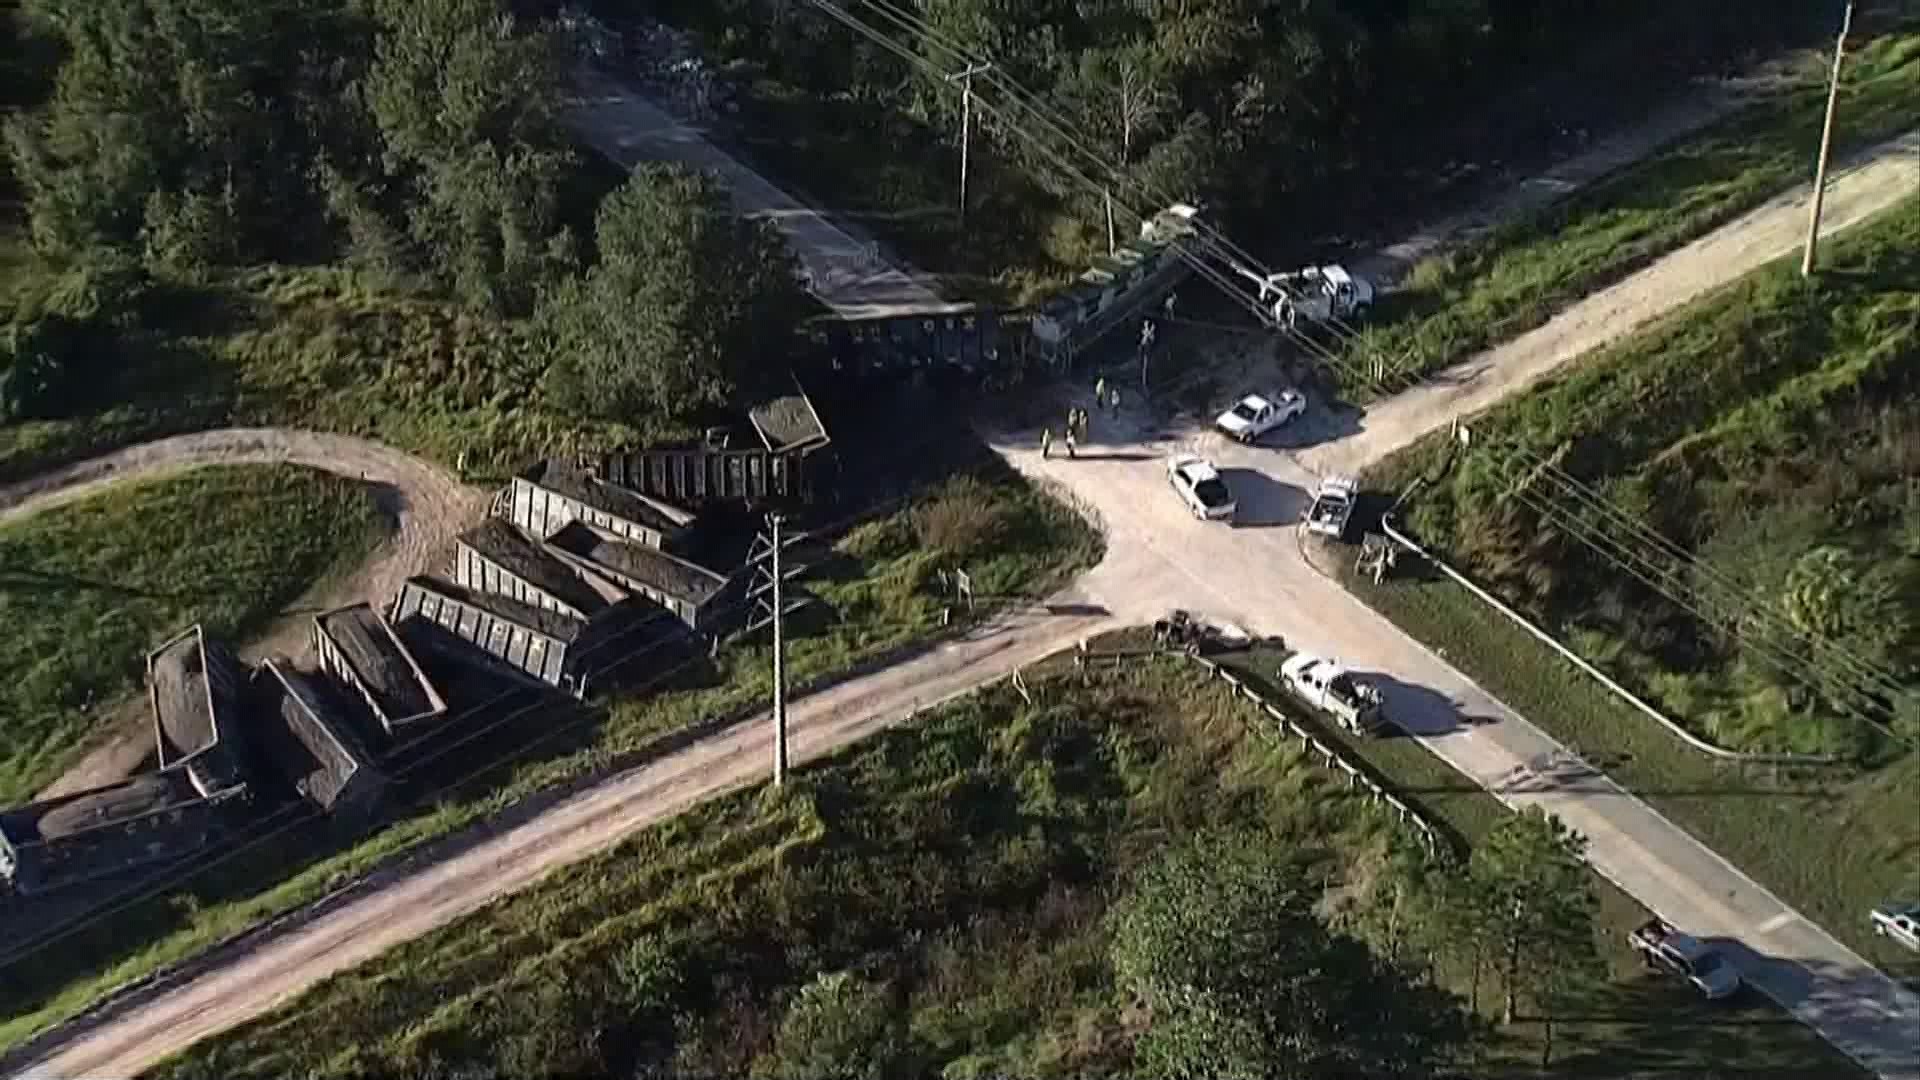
x: 1206, y: 242
x: 295, y: 814
x: 1720, y: 587
x: 1671, y: 584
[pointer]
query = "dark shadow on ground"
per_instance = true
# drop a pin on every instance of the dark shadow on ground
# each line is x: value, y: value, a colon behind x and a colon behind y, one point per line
x: 1418, y: 710
x: 1323, y: 422
x: 1261, y: 500
x: 1076, y: 609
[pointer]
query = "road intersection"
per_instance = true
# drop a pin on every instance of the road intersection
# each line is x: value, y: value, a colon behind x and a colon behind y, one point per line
x: 1159, y: 558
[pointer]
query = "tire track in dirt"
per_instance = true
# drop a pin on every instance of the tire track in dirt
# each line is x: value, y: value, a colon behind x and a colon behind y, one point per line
x: 427, y: 504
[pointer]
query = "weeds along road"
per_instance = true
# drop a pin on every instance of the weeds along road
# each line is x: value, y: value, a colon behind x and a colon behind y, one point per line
x: 1157, y: 558
x: 578, y: 827
x: 1258, y: 576
x: 428, y: 504
x: 1863, y: 184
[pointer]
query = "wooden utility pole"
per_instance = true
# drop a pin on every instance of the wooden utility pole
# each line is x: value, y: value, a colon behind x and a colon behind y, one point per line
x: 779, y: 664
x: 1112, y: 243
x: 966, y: 124
x: 1826, y: 147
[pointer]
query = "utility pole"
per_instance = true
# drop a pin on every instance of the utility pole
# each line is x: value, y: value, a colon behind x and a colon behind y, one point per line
x: 1826, y: 146
x: 1112, y: 245
x: 779, y: 665
x: 966, y: 124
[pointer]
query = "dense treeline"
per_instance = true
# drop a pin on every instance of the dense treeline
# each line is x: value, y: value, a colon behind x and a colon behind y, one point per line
x: 202, y: 133
x: 1253, y: 103
x: 417, y: 142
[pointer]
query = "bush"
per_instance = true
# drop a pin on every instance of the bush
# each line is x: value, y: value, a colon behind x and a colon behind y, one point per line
x: 964, y: 519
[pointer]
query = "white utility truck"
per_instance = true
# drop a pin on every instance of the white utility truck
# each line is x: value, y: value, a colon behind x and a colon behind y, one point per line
x: 1332, y: 506
x: 1333, y: 690
x: 1316, y: 294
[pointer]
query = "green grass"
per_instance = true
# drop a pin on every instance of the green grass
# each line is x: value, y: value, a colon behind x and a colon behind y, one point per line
x: 86, y: 588
x: 878, y: 596
x: 968, y: 860
x: 1775, y: 401
x: 1771, y: 418
x: 1832, y: 843
x: 1515, y: 278
x: 1630, y: 1023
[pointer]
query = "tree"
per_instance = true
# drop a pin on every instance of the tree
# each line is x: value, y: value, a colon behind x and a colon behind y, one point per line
x: 1217, y: 938
x: 1538, y: 901
x: 688, y: 305
x: 1837, y: 595
x: 189, y: 124
x: 1123, y: 90
x: 466, y: 104
x: 839, y: 1027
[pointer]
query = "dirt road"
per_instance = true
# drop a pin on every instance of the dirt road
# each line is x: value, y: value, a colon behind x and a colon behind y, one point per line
x: 427, y: 504
x: 1255, y: 576
x: 572, y: 830
x: 845, y: 267
x: 1158, y: 558
x: 1864, y: 185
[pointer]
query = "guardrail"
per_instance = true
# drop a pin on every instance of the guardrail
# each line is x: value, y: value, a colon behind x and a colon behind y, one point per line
x: 1433, y: 837
x: 1624, y: 694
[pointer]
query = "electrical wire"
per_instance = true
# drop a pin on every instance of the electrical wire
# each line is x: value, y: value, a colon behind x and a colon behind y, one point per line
x: 1206, y: 240
x: 1382, y: 380
x: 295, y: 814
x: 1675, y: 587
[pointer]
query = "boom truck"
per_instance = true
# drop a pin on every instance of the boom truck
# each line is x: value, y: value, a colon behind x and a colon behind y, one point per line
x: 1314, y: 293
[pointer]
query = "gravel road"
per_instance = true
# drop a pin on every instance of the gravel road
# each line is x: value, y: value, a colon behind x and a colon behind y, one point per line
x: 1159, y: 558
x: 428, y: 505
x: 1863, y: 185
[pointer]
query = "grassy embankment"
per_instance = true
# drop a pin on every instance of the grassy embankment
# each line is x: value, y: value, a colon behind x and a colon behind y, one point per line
x: 86, y: 588
x: 1517, y: 276
x: 877, y: 596
x: 1773, y: 418
x: 966, y: 860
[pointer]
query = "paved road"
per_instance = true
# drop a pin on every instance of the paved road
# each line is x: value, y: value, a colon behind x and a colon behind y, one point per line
x: 840, y: 260
x: 1159, y: 558
x: 1256, y: 577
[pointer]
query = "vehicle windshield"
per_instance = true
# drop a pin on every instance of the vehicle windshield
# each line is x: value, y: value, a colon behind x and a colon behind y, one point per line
x: 1704, y: 964
x: 1211, y: 493
x: 1245, y: 411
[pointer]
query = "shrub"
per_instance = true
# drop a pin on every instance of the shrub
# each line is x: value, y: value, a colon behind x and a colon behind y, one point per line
x: 962, y: 520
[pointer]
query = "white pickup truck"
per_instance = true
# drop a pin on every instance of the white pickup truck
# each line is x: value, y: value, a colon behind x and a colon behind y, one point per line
x: 1332, y: 689
x: 1256, y: 414
x: 1332, y: 506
